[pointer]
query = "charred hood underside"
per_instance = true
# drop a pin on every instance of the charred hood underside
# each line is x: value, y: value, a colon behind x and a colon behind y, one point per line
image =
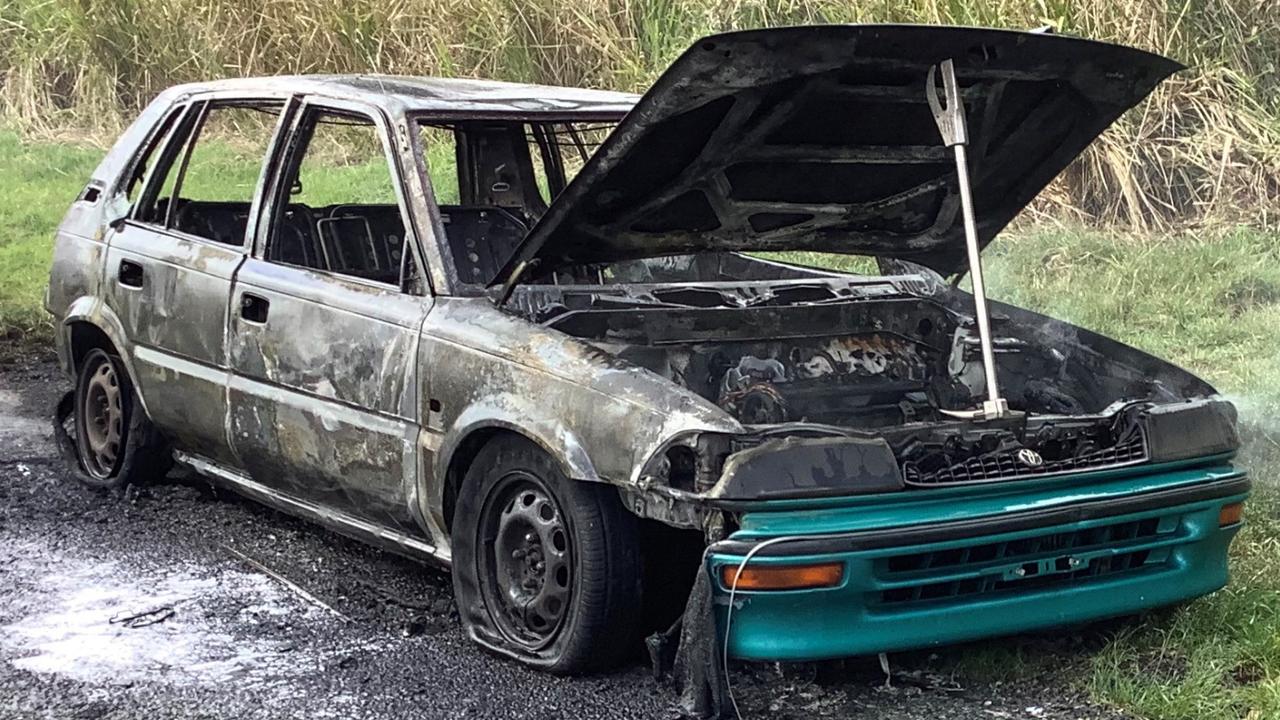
x: 821, y: 138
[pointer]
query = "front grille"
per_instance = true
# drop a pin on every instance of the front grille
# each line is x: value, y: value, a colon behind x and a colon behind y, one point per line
x: 1048, y: 560
x: 1005, y: 465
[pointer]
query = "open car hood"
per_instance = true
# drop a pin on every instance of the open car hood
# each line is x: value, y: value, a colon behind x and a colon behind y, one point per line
x: 821, y: 138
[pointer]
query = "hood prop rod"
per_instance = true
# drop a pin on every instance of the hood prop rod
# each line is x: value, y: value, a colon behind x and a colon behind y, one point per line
x: 955, y: 134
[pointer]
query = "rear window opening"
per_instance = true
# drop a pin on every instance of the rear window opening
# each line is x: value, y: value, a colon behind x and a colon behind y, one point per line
x: 200, y: 175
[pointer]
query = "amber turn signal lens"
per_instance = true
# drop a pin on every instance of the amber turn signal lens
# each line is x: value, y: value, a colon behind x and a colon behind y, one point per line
x: 783, y: 577
x: 1230, y: 514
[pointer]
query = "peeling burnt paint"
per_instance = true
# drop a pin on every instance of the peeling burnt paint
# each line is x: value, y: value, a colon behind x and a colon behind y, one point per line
x: 600, y: 416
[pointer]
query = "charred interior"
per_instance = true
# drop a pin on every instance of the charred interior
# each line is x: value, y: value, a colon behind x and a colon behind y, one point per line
x: 814, y: 355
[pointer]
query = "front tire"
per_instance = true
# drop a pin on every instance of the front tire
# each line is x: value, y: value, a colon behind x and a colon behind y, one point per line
x: 115, y: 443
x: 545, y: 569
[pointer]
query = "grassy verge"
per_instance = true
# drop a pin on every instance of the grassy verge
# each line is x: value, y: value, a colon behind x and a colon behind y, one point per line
x: 40, y: 181
x: 1210, y: 303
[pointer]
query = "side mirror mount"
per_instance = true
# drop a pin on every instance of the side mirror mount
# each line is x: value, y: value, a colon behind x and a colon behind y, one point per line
x: 117, y: 212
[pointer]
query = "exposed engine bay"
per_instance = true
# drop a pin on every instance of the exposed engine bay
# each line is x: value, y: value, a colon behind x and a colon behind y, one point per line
x: 849, y: 383
x: 884, y: 358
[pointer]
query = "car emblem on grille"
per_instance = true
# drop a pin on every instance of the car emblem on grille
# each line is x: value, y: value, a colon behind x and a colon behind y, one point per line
x: 1030, y: 458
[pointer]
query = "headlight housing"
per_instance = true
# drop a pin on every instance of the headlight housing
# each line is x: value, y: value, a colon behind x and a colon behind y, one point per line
x: 1193, y: 429
x: 807, y: 467
x: 689, y: 462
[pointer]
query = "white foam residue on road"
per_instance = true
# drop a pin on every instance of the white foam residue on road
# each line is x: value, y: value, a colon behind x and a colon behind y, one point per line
x: 14, y: 425
x: 214, y: 635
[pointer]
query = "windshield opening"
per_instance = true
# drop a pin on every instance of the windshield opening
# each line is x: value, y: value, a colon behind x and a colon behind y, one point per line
x: 493, y: 180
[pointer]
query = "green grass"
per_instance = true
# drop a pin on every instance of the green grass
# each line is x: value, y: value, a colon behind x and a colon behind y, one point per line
x: 1210, y: 302
x: 40, y: 181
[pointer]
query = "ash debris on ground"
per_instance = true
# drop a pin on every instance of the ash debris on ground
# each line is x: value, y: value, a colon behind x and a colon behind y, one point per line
x: 200, y: 632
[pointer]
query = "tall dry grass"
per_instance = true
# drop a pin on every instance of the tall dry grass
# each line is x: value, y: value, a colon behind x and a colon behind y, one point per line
x: 1205, y: 148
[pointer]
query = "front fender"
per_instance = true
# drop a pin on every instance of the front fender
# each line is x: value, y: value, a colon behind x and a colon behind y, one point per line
x: 519, y: 415
x: 599, y: 417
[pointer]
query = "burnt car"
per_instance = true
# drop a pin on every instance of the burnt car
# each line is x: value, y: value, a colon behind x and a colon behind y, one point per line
x: 540, y: 335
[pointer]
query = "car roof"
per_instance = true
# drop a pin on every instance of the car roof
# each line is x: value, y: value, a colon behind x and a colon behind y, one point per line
x: 409, y: 94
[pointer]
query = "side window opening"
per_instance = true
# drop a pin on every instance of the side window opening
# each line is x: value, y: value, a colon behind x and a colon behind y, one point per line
x: 337, y: 209
x: 204, y: 182
x: 494, y: 179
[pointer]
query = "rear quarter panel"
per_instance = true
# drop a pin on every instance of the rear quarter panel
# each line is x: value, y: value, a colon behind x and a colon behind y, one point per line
x: 76, y: 269
x: 79, y: 245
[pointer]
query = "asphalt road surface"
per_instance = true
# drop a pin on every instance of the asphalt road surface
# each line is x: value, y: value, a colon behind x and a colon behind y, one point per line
x: 178, y: 601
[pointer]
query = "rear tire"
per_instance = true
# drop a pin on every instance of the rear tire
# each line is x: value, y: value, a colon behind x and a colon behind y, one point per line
x: 545, y: 569
x: 116, y: 444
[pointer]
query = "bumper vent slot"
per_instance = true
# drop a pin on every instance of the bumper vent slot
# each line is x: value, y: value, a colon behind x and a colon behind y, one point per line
x: 1024, y: 564
x: 1005, y: 465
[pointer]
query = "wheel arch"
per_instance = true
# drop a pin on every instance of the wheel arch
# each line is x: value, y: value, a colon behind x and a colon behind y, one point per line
x: 89, y: 324
x: 461, y: 447
x: 83, y: 336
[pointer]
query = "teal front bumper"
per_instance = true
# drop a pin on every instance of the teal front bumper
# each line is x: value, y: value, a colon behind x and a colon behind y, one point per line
x: 934, y: 567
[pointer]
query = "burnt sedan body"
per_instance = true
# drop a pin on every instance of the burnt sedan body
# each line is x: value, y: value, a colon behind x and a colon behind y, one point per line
x: 582, y: 389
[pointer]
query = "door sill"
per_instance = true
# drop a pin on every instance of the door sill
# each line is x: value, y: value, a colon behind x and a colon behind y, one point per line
x: 336, y: 520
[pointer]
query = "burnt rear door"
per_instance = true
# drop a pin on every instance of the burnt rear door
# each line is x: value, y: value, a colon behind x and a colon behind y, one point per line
x: 170, y: 263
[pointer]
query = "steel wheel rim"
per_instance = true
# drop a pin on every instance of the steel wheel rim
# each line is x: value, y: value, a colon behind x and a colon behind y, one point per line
x: 526, y: 562
x: 102, y: 421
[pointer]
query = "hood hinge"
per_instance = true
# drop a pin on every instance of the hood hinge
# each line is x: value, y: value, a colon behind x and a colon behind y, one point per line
x: 514, y: 279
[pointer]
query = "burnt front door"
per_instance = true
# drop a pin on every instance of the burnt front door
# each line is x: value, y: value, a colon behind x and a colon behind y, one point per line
x: 324, y: 327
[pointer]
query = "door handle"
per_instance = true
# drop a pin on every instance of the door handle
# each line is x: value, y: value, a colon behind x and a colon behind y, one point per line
x: 130, y: 274
x: 254, y: 308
